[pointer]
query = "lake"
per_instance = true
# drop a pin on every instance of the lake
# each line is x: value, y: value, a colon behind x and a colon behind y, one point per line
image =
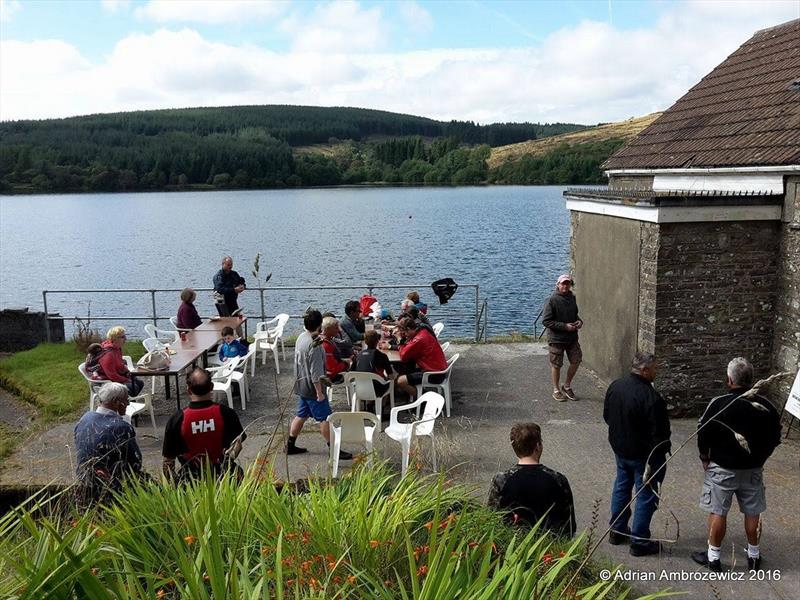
x: 512, y: 241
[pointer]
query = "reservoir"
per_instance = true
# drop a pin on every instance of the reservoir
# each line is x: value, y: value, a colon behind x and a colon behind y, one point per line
x: 512, y: 241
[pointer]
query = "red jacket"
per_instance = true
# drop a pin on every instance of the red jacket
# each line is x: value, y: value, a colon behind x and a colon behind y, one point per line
x: 333, y: 362
x: 425, y: 351
x: 112, y: 367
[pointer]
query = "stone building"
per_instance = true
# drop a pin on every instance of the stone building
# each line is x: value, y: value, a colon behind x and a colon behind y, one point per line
x: 693, y: 250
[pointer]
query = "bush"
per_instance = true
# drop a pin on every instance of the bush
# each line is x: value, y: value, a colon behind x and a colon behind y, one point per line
x: 367, y: 535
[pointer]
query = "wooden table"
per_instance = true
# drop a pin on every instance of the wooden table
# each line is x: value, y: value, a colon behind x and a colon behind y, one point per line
x: 197, y: 343
x: 394, y: 355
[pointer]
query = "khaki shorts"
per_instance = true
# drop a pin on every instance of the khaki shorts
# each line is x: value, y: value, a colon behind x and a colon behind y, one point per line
x: 720, y: 485
x: 574, y: 354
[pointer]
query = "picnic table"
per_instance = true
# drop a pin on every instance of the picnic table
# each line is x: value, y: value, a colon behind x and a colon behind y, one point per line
x: 186, y: 351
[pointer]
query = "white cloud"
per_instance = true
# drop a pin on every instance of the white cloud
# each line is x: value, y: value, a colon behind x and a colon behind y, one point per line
x: 416, y: 17
x: 336, y: 27
x: 9, y: 8
x: 209, y: 11
x: 113, y: 6
x: 586, y: 73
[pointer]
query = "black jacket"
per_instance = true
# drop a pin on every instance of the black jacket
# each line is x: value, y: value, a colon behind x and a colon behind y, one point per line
x: 637, y: 418
x: 754, y: 418
x: 560, y: 310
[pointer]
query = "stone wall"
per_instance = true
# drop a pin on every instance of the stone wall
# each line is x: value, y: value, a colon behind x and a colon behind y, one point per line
x: 786, y: 344
x: 648, y: 273
x: 21, y: 329
x: 715, y: 299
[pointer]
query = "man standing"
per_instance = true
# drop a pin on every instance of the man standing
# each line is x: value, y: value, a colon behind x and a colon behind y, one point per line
x: 106, y: 444
x: 560, y: 316
x: 531, y: 491
x: 309, y: 368
x: 203, y: 432
x: 735, y: 437
x: 228, y: 284
x: 639, y: 432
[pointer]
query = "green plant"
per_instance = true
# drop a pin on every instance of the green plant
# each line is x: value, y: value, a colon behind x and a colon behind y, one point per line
x: 367, y: 535
x: 84, y: 335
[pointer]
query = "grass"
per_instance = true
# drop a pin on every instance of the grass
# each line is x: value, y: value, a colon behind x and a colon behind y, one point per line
x: 47, y: 377
x: 368, y: 535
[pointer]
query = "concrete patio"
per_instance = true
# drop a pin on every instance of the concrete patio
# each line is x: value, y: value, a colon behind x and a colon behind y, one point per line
x: 496, y: 385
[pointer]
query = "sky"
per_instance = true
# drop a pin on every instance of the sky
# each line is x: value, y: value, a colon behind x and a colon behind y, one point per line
x: 482, y: 60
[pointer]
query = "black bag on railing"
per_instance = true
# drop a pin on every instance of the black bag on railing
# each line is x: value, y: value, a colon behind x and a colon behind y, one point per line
x: 444, y: 289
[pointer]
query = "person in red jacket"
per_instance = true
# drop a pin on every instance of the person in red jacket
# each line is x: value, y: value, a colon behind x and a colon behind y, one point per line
x: 421, y: 348
x: 334, y: 364
x: 110, y: 366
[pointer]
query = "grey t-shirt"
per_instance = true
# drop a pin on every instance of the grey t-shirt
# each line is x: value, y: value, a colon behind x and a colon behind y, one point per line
x: 309, y: 365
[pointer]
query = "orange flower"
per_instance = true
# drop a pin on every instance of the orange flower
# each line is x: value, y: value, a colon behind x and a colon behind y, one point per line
x: 305, y: 565
x: 351, y: 579
x: 329, y: 557
x: 99, y: 532
x: 428, y: 525
x: 547, y: 558
x: 374, y: 544
x: 160, y: 593
x: 422, y: 571
x: 332, y: 565
x: 291, y: 536
x: 562, y: 554
x: 266, y: 550
x: 290, y: 582
x: 313, y: 582
x: 472, y: 544
x: 95, y: 571
x: 190, y: 539
x: 337, y: 580
x: 74, y: 524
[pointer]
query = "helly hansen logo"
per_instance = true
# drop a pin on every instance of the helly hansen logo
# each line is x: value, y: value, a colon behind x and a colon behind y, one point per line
x: 203, y: 426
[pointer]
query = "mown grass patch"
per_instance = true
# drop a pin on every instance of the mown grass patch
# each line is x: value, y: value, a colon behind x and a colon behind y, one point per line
x: 368, y: 535
x: 47, y: 377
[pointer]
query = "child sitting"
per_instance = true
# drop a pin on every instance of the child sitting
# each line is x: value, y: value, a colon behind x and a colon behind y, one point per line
x: 92, y: 358
x: 231, y: 346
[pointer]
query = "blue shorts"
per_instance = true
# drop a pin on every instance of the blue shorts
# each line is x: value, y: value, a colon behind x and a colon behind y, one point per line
x: 308, y: 407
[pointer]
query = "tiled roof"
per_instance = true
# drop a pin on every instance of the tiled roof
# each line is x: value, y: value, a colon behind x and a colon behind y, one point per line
x: 745, y: 112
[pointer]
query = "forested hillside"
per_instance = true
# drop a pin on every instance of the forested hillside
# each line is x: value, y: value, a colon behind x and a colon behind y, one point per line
x: 247, y: 147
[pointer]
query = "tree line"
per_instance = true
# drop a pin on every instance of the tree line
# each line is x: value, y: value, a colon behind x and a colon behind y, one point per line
x: 248, y: 147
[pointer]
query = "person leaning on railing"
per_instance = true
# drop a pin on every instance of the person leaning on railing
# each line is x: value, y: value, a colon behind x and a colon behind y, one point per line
x: 110, y: 364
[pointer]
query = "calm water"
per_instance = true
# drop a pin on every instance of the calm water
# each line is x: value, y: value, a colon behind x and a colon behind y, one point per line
x: 512, y: 241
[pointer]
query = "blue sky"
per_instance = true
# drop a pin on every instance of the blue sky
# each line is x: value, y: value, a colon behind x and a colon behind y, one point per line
x: 582, y: 61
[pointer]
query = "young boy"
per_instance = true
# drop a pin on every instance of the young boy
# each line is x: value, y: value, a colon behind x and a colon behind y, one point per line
x: 230, y: 345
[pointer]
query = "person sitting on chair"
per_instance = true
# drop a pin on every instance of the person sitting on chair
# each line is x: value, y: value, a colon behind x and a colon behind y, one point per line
x: 111, y: 364
x: 335, y: 365
x: 421, y: 349
x: 231, y: 346
x: 187, y: 313
x: 204, y: 435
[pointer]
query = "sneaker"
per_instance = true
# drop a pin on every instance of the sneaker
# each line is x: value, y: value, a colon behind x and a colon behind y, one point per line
x: 617, y: 539
x: 345, y: 455
x: 558, y: 396
x: 567, y: 391
x: 644, y: 548
x: 295, y: 450
x: 754, y: 564
x: 701, y: 558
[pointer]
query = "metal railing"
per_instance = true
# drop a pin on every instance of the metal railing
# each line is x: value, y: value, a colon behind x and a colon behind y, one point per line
x: 480, y: 316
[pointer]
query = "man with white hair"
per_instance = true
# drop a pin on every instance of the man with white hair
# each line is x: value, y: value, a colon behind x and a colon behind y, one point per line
x: 736, y: 435
x: 106, y: 443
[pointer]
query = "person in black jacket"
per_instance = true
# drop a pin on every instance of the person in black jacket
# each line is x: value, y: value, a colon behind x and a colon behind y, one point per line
x: 560, y: 316
x: 735, y: 438
x: 639, y: 432
x: 529, y: 491
x: 228, y: 284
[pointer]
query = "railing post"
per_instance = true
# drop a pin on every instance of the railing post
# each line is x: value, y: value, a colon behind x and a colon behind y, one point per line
x: 153, y: 302
x: 477, y: 313
x: 263, y: 313
x: 46, y: 317
x: 485, y: 321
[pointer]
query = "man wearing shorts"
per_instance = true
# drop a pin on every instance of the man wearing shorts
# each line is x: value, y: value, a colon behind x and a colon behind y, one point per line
x: 560, y: 316
x: 735, y: 438
x: 309, y: 367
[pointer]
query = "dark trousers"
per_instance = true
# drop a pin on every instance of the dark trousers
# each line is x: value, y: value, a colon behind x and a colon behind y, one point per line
x: 630, y: 473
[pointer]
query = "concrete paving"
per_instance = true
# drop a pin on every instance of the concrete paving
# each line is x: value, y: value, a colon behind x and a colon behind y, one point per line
x: 494, y: 386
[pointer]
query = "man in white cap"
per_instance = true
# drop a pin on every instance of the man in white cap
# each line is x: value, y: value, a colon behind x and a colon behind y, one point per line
x: 560, y: 316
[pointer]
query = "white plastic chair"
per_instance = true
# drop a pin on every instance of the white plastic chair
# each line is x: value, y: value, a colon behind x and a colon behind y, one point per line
x: 406, y: 432
x: 444, y: 386
x: 136, y: 404
x: 222, y: 377
x: 240, y: 373
x: 150, y: 344
x: 164, y: 335
x: 445, y: 347
x: 360, y: 388
x: 275, y: 327
x: 174, y: 321
x: 351, y: 428
x: 437, y: 328
x: 262, y: 340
